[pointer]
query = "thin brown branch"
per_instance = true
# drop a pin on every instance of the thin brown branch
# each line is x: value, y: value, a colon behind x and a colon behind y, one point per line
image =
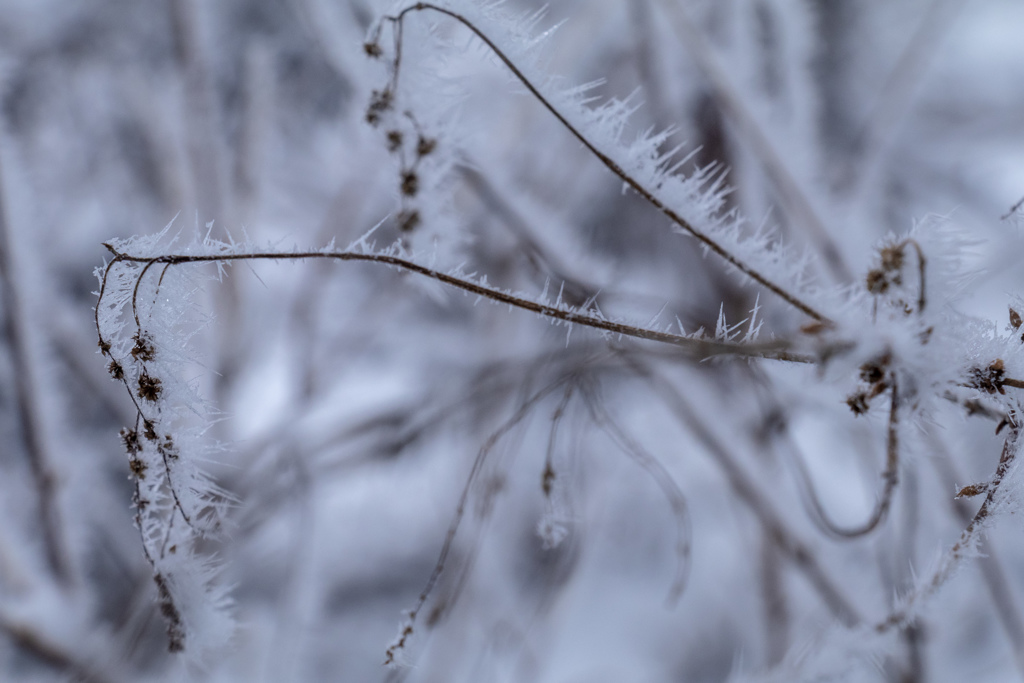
x: 607, y: 161
x: 524, y: 410
x: 701, y: 348
x: 890, y: 480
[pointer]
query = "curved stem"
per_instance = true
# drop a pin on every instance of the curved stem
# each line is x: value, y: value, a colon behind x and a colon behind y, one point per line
x: 890, y: 478
x: 608, y: 162
x: 699, y: 347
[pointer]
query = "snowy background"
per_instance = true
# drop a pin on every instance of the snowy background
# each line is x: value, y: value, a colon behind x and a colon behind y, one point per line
x: 345, y: 403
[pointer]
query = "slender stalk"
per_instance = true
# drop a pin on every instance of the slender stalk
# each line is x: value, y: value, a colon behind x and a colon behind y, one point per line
x: 699, y: 347
x: 788, y: 543
x: 968, y: 541
x: 608, y: 162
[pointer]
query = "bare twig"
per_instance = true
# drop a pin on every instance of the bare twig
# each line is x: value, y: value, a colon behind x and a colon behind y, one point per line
x: 1013, y: 209
x: 1004, y: 599
x: 890, y: 478
x: 478, y: 463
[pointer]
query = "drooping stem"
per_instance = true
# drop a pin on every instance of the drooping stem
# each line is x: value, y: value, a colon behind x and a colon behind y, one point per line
x: 698, y: 347
x: 609, y: 163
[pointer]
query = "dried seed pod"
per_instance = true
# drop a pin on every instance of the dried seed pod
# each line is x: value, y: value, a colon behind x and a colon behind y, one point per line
x: 149, y: 387
x: 989, y: 379
x: 130, y: 438
x: 892, y: 259
x: 115, y: 370
x: 425, y: 146
x: 380, y: 102
x: 971, y: 491
x: 394, y: 140
x: 858, y: 403
x: 408, y: 220
x: 877, y: 282
x: 138, y: 468
x: 410, y: 183
x: 143, y: 349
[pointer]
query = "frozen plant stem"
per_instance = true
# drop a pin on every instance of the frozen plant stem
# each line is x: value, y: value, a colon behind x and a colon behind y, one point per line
x: 968, y: 541
x: 701, y: 348
x: 609, y: 163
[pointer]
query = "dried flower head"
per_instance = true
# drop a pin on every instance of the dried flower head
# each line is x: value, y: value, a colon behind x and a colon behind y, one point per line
x: 149, y: 387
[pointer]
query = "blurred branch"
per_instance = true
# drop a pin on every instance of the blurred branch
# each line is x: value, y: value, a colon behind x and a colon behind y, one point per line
x: 879, y: 131
x: 52, y: 654
x: 789, y: 544
x: 29, y: 407
x: 793, y: 197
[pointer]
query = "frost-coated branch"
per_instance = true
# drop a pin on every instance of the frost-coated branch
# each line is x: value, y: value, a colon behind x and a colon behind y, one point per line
x: 966, y: 546
x: 384, y: 99
x: 698, y: 347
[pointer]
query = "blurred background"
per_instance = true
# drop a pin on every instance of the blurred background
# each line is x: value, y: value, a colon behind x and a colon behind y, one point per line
x: 353, y: 400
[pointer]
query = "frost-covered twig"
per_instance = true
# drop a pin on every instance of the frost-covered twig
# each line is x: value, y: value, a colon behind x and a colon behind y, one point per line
x: 699, y: 347
x: 384, y: 101
x: 966, y: 546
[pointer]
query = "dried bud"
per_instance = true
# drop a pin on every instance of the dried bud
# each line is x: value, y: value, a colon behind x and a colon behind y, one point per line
x: 149, y: 387
x: 858, y: 403
x: 1015, y: 320
x: 143, y: 349
x: 892, y: 259
x: 547, y: 480
x: 130, y: 438
x: 989, y: 379
x: 115, y: 370
x: 425, y: 146
x: 104, y: 347
x: 408, y: 220
x: 138, y: 468
x: 410, y: 183
x: 380, y: 102
x: 877, y: 282
x: 394, y: 140
x: 873, y: 371
x: 972, y: 490
x: 372, y: 49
